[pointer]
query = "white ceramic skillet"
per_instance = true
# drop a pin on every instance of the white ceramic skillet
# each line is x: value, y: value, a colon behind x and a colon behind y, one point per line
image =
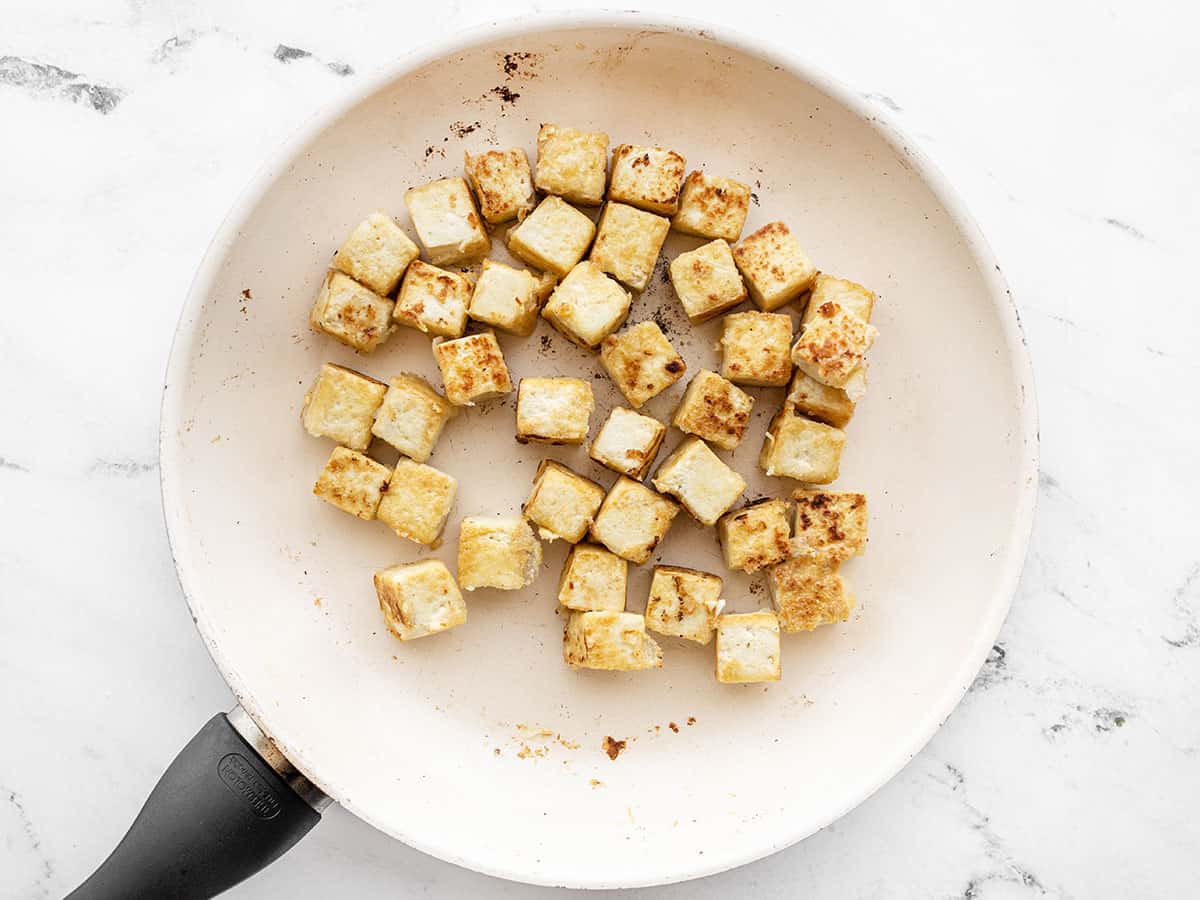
x: 480, y: 746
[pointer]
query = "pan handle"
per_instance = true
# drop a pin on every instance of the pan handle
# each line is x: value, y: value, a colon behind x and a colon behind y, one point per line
x: 228, y: 806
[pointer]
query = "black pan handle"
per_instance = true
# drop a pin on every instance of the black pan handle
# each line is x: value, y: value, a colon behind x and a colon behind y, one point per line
x: 222, y: 811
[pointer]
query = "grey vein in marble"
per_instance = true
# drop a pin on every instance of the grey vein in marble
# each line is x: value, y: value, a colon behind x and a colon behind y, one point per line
x: 286, y: 54
x: 12, y: 466
x: 46, y: 867
x: 883, y: 100
x: 1184, y: 601
x: 47, y: 80
x: 121, y: 468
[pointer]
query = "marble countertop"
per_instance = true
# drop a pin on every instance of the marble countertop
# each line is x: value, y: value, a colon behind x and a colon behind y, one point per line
x: 1071, y: 769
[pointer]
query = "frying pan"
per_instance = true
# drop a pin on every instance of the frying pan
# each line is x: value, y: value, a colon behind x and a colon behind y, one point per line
x: 479, y: 745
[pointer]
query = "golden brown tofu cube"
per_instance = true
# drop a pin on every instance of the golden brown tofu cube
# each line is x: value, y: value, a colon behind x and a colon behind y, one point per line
x: 796, y: 447
x: 647, y: 177
x: 449, y: 226
x: 563, y: 503
x: 417, y: 502
x: 684, y: 603
x: 616, y: 641
x: 712, y: 207
x: 633, y: 520
x: 834, y: 336
x: 756, y: 348
x: 698, y: 479
x: 419, y: 599
x: 351, y: 313
x: 341, y: 405
x: 641, y: 362
x: 553, y: 238
x: 593, y: 579
x: 628, y: 241
x: 714, y: 409
x: 748, y: 647
x: 830, y: 525
x: 808, y: 593
x: 433, y: 300
x: 554, y: 410
x: 775, y: 267
x: 572, y: 164
x: 503, y: 182
x: 587, y: 306
x: 376, y: 253
x: 506, y: 298
x: 707, y: 281
x: 819, y: 401
x: 473, y: 368
x: 628, y: 442
x: 412, y: 416
x: 756, y: 536
x: 352, y: 482
x: 497, y: 552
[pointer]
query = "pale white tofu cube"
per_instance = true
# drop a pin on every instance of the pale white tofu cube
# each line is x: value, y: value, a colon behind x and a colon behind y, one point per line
x: 376, y: 253
x: 647, y: 177
x: 553, y: 238
x: 698, y: 479
x: 748, y: 647
x: 351, y: 313
x: 712, y: 207
x: 628, y: 241
x: 449, y: 226
x: 756, y: 536
x: 614, y: 641
x: 503, y: 183
x: 775, y: 266
x: 714, y: 409
x: 633, y: 520
x: 433, y: 300
x: 707, y: 281
x: 830, y: 525
x: 412, y: 416
x: 417, y: 502
x: 756, y: 348
x: 628, y: 442
x: 352, y: 482
x: 473, y: 368
x: 684, y: 603
x: 419, y: 599
x: 341, y: 405
x: 834, y: 333
x: 497, y: 552
x: 572, y: 164
x: 506, y: 298
x: 796, y: 447
x: 593, y: 579
x: 830, y: 405
x: 808, y: 593
x: 587, y: 306
x: 563, y: 504
x: 554, y: 410
x: 641, y: 362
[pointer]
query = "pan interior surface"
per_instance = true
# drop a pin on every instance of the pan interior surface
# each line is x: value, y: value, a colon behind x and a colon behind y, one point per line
x: 479, y: 745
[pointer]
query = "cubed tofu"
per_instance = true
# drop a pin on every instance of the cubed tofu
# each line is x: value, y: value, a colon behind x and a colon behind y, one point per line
x: 796, y: 447
x: 554, y: 410
x: 497, y: 552
x: 830, y: 525
x: 506, y: 298
x: 593, y: 579
x: 756, y: 536
x: 503, y: 182
x: 834, y: 333
x: 433, y: 300
x: 748, y: 647
x: 641, y: 362
x: 449, y: 226
x: 417, y: 502
x: 473, y: 368
x: 633, y: 520
x: 856, y: 384
x: 563, y: 504
x: 572, y: 164
x: 774, y: 265
x: 808, y: 593
x: 352, y: 482
x: 587, y: 306
x: 756, y: 348
x: 684, y: 603
x: 412, y: 416
x: 830, y: 405
x: 712, y: 207
x: 616, y: 641
x: 628, y: 241
x: 628, y: 442
x: 351, y: 313
x: 714, y: 409
x: 707, y: 281
x: 376, y: 253
x: 698, y: 479
x: 553, y: 238
x: 341, y: 405
x: 419, y: 599
x: 647, y: 177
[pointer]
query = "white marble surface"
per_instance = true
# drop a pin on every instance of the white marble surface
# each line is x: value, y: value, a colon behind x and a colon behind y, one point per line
x: 1072, y: 129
